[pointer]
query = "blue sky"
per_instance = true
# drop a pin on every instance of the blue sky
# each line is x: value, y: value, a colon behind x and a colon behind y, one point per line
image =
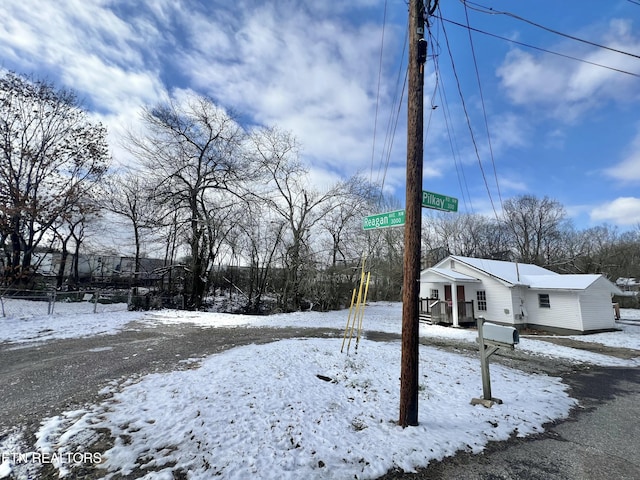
x: 556, y: 127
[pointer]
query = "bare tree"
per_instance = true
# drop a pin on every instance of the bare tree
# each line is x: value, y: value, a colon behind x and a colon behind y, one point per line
x: 289, y: 197
x: 470, y: 235
x: 51, y: 157
x: 536, y: 226
x: 343, y: 240
x: 70, y: 231
x: 129, y: 196
x: 190, y: 150
x: 260, y: 239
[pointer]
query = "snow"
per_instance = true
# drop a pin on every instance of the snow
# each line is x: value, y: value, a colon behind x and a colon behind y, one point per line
x: 297, y: 408
x: 508, y: 271
x: 560, y: 282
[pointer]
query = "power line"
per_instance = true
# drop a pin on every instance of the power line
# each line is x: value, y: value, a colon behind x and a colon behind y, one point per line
x: 538, y: 48
x: 488, y: 10
x: 484, y: 110
x: 466, y: 113
x: 462, y: 179
x: 394, y: 117
x: 451, y: 135
x: 375, y: 121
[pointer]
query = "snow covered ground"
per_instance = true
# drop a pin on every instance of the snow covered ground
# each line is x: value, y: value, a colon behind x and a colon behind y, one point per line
x: 295, y: 408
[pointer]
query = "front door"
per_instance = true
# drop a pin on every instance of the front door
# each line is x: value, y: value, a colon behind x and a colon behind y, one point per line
x: 459, y: 293
x: 460, y: 302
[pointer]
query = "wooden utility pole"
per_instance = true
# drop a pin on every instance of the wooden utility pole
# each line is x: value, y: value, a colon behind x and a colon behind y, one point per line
x: 413, y: 218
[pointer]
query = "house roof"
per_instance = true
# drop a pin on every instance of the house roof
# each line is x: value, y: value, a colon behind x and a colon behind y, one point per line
x: 452, y: 275
x: 509, y: 272
x: 527, y: 275
x: 561, y: 282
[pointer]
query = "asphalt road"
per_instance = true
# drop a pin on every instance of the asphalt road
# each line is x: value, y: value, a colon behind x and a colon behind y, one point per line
x: 600, y: 440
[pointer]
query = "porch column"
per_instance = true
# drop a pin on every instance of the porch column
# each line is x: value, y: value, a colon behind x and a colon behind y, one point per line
x: 454, y: 303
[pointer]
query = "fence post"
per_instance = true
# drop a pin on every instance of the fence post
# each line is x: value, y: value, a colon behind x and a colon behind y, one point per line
x: 52, y: 302
x: 95, y: 302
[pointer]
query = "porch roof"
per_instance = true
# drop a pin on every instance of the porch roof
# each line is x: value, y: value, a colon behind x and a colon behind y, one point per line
x: 440, y: 275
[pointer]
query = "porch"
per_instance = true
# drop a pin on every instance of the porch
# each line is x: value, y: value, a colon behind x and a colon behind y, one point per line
x: 442, y: 312
x: 443, y: 296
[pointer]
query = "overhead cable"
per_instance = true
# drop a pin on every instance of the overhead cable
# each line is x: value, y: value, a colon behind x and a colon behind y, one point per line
x: 468, y: 119
x: 488, y: 10
x: 539, y: 48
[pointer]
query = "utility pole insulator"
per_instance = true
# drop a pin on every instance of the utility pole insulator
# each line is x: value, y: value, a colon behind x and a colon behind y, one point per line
x: 422, y: 51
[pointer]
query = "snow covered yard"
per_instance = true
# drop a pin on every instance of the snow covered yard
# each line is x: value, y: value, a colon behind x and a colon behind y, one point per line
x: 296, y: 408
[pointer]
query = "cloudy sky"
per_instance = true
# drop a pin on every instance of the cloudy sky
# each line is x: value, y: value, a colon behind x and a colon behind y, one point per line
x: 332, y: 72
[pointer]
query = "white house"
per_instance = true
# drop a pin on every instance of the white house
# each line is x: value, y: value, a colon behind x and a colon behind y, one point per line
x: 463, y: 288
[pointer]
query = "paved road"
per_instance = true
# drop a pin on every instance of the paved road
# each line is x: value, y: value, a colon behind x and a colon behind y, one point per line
x: 600, y: 440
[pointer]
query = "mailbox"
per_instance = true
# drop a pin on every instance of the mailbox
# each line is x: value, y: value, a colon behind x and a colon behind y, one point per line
x: 500, y: 333
x: 492, y: 337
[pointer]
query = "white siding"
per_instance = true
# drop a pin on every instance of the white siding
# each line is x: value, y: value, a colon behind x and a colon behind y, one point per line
x: 425, y: 290
x: 499, y: 301
x: 564, y: 311
x: 596, y: 308
x: 519, y: 310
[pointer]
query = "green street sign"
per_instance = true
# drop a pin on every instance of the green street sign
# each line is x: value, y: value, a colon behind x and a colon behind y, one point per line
x: 439, y: 202
x: 383, y: 220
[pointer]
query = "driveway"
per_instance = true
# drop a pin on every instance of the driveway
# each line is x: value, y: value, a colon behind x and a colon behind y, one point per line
x: 599, y: 440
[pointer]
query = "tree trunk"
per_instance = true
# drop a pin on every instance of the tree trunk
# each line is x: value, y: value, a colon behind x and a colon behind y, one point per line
x: 63, y: 265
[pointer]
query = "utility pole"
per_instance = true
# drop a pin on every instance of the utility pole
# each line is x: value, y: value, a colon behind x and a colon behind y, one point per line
x: 413, y: 217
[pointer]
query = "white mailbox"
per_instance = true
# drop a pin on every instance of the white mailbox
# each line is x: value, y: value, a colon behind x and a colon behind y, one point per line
x: 492, y: 337
x: 500, y: 333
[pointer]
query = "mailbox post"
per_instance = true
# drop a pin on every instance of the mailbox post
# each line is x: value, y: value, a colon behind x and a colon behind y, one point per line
x: 491, y: 337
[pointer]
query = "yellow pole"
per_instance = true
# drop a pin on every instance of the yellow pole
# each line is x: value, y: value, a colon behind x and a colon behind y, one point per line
x: 346, y: 329
x: 364, y: 301
x: 357, y: 306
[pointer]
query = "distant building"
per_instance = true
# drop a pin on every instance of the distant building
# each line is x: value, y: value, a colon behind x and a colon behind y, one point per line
x: 100, y: 269
x: 628, y: 284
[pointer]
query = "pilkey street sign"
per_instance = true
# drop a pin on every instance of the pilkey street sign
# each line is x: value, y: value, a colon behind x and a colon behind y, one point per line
x: 439, y: 202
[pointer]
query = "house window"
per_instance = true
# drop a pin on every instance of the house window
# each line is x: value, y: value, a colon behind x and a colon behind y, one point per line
x: 543, y: 300
x: 435, y: 294
x: 481, y: 296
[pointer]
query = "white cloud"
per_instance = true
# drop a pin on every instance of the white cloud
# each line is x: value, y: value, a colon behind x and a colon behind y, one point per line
x: 568, y: 89
x: 507, y: 131
x: 622, y: 211
x: 628, y: 170
x: 511, y: 185
x: 290, y: 66
x: 86, y: 47
x: 304, y: 67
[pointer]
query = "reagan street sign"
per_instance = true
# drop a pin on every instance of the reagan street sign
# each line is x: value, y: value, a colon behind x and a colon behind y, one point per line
x: 383, y: 220
x: 439, y: 202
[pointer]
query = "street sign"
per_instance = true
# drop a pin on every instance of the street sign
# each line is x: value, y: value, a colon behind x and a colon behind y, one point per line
x: 439, y: 202
x: 383, y: 220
